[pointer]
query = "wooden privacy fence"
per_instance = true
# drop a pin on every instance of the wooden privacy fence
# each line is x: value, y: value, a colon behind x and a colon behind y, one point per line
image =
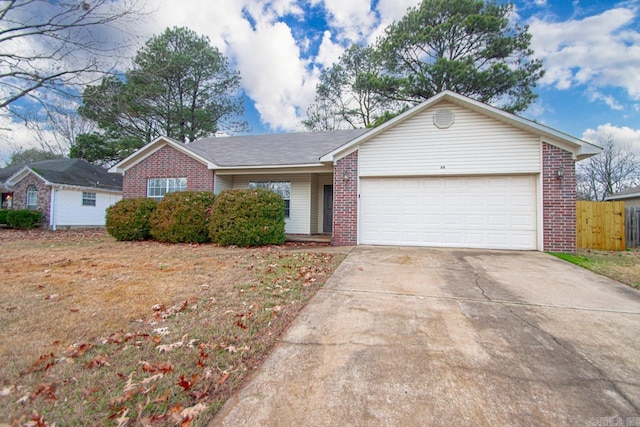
x: 601, y: 225
x: 632, y: 225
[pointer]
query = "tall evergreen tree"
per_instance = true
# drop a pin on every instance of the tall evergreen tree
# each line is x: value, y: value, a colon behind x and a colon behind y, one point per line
x: 467, y: 46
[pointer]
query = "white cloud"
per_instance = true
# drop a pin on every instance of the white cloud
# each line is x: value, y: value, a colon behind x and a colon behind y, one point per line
x: 329, y: 52
x: 353, y: 19
x: 621, y: 135
x: 273, y: 74
x: 609, y: 100
x: 390, y: 11
x: 598, y: 51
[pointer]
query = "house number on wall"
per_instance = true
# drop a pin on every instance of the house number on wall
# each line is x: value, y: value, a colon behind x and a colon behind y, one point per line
x: 443, y: 167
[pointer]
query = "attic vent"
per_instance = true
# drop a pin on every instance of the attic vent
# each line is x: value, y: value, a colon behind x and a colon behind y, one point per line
x: 443, y: 118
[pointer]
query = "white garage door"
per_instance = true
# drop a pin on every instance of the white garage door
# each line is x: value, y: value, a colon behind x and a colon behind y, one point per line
x: 497, y: 212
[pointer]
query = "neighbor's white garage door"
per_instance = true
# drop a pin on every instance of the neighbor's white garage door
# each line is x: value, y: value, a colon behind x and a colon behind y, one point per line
x: 497, y: 212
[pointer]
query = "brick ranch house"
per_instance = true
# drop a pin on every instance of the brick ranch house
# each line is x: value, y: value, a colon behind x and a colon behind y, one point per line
x: 450, y: 172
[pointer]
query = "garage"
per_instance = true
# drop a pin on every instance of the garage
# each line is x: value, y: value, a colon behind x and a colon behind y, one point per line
x: 494, y: 212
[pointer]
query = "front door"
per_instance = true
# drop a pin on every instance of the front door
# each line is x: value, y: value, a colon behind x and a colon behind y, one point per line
x: 327, y: 212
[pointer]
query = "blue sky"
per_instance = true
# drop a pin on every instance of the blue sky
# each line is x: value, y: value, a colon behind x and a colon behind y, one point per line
x: 590, y: 50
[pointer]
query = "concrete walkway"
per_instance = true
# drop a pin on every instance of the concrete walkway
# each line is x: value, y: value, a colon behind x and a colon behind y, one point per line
x: 421, y: 336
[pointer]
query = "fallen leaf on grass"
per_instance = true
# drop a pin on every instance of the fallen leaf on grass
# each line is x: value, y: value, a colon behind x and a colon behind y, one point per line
x: 123, y: 419
x: 169, y: 347
x: 43, y: 363
x: 46, y: 390
x: 162, y: 331
x: 77, y: 350
x: 152, y: 378
x: 183, y: 416
x: 130, y: 386
x: 188, y: 414
x: 187, y: 384
x: 6, y: 391
x: 157, y: 367
x: 221, y: 379
x: 97, y: 362
x: 233, y: 349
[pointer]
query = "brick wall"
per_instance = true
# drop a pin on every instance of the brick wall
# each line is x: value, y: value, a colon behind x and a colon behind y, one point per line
x: 167, y: 162
x: 345, y: 201
x: 558, y: 200
x: 43, y: 200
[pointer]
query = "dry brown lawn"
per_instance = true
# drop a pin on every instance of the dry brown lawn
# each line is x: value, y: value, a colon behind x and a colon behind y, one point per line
x: 95, y: 331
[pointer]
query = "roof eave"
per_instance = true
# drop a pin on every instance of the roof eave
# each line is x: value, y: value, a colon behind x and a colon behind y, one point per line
x: 300, y: 165
x: 84, y: 188
x: 623, y: 196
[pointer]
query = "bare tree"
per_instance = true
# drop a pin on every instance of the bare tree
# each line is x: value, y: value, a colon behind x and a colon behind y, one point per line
x: 56, y: 129
x: 49, y: 47
x: 615, y: 169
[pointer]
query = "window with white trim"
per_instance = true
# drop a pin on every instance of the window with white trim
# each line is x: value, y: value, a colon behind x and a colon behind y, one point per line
x: 32, y: 197
x: 283, y: 188
x: 88, y: 199
x: 158, y: 187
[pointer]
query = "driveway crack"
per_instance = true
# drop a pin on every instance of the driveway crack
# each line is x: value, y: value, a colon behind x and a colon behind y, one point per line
x: 578, y: 355
x: 477, y: 283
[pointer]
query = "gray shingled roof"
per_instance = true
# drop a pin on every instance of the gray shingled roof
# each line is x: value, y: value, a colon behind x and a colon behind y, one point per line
x: 75, y: 172
x: 279, y: 149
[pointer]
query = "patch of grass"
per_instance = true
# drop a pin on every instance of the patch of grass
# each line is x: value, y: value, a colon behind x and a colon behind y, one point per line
x: 123, y: 333
x: 621, y: 266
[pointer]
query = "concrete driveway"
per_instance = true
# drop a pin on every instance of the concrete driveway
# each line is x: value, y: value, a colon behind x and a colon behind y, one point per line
x: 422, y: 336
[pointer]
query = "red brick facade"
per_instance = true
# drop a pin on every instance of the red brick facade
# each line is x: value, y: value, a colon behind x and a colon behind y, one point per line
x: 558, y: 200
x: 43, y: 196
x: 345, y: 201
x: 167, y: 162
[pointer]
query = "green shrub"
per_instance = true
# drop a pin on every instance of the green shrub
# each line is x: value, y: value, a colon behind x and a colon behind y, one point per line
x: 24, y: 219
x: 183, y: 217
x: 129, y: 218
x: 247, y: 218
x: 3, y: 216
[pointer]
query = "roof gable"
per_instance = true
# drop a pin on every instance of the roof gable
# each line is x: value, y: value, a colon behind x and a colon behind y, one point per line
x: 155, y: 145
x: 580, y: 149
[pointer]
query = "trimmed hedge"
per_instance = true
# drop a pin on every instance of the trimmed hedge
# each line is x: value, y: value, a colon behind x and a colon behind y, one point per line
x: 129, y: 218
x: 183, y: 217
x: 247, y: 218
x: 24, y: 219
x: 3, y: 216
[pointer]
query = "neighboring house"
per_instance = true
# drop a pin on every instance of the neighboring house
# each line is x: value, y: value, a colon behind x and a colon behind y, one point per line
x: 449, y: 172
x: 630, y: 197
x: 6, y: 195
x: 68, y: 192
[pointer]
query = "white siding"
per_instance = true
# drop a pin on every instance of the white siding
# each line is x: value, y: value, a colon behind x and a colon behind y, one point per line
x: 322, y: 181
x: 221, y: 183
x: 313, y: 183
x: 68, y: 209
x: 474, y: 144
x: 299, y: 221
